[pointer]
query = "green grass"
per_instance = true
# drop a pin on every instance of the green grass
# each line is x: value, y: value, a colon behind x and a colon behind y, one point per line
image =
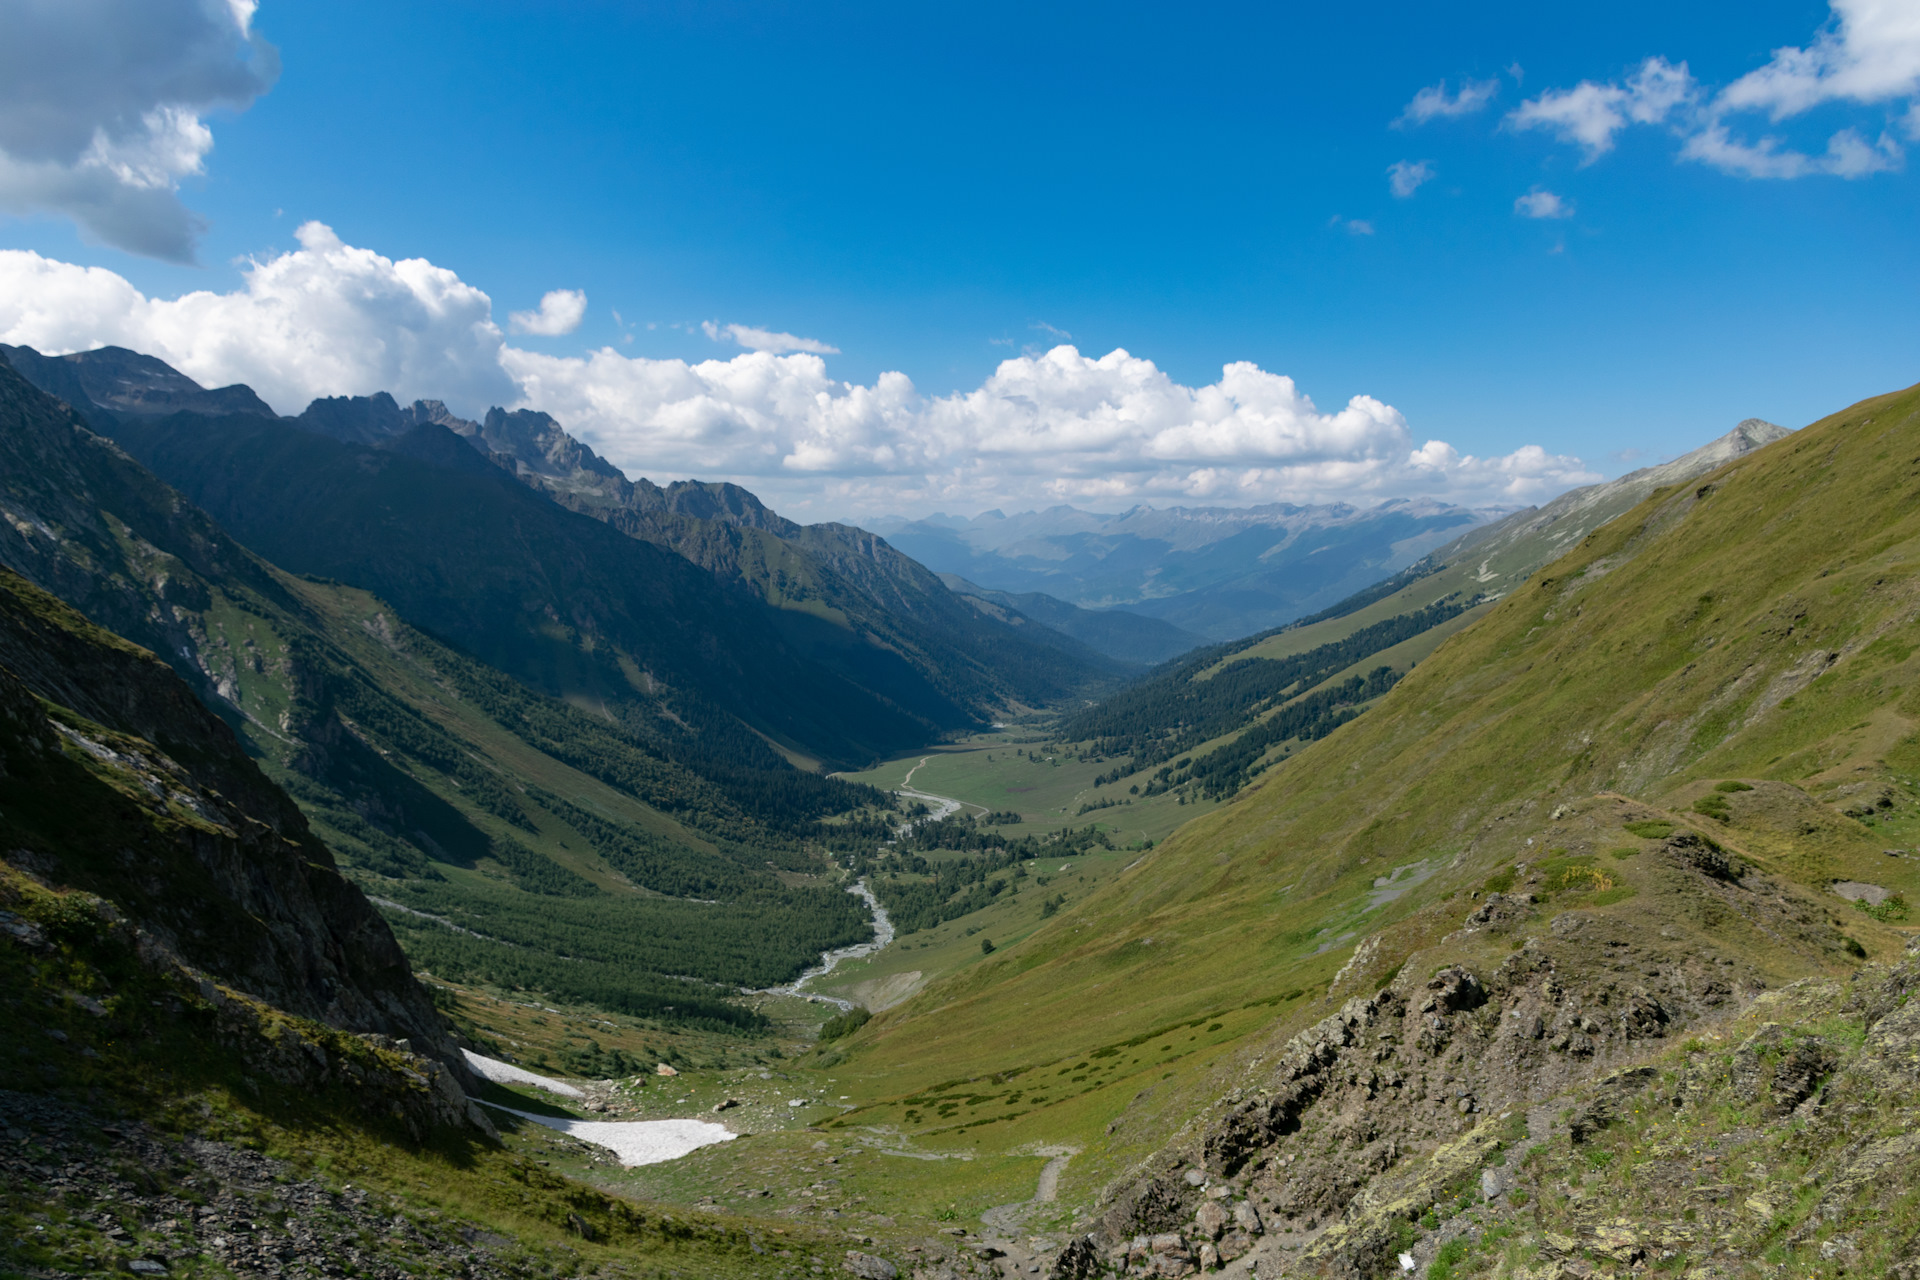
x: 1577, y: 685
x: 1046, y: 788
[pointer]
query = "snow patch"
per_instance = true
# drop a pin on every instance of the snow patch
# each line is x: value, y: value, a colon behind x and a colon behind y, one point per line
x: 506, y: 1073
x: 636, y: 1141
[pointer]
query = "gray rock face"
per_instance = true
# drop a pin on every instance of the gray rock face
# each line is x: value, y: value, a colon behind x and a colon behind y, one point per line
x: 1859, y: 891
x: 869, y: 1266
x: 247, y: 894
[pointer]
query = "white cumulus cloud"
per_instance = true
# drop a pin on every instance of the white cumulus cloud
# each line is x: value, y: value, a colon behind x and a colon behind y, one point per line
x: 1867, y: 55
x: 1542, y: 204
x: 324, y: 319
x: 1435, y: 103
x: 103, y: 106
x: 330, y: 319
x: 1404, y: 177
x: 1848, y: 155
x: 560, y: 311
x: 1590, y: 114
x: 764, y: 339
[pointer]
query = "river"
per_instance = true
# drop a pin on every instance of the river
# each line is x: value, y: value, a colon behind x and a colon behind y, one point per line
x: 882, y: 925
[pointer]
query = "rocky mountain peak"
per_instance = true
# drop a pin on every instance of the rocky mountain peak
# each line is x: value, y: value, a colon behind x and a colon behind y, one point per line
x: 127, y: 382
x: 355, y: 419
x: 534, y: 442
x: 422, y: 412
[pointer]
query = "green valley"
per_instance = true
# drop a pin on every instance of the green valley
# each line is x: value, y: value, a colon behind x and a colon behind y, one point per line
x: 1474, y: 927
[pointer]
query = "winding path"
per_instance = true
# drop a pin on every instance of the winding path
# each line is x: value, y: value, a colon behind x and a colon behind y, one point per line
x: 943, y: 806
x: 1009, y: 1220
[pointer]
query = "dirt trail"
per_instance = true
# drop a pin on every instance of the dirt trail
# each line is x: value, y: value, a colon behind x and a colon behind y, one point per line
x: 1006, y: 1223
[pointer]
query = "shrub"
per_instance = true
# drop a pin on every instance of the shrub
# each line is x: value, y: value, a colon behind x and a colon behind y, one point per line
x: 1713, y: 805
x: 1624, y: 854
x: 1577, y: 877
x: 986, y: 946
x: 844, y: 1024
x: 1451, y: 1254
x: 1854, y: 948
x: 1733, y: 786
x: 1894, y: 908
x: 1655, y: 830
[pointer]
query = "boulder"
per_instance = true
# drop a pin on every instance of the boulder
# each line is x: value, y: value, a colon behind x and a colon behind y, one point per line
x: 1451, y: 990
x: 1078, y: 1261
x: 870, y: 1267
x: 1211, y: 1219
x: 1700, y: 854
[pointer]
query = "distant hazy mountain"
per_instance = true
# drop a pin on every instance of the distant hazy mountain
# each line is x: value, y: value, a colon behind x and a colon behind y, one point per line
x: 1128, y: 637
x: 1219, y: 572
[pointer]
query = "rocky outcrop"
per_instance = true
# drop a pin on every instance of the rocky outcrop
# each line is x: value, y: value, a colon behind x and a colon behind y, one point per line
x: 122, y: 784
x: 1398, y: 1100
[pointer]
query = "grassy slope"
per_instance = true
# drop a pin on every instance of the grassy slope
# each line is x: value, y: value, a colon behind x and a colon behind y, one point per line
x: 1755, y: 624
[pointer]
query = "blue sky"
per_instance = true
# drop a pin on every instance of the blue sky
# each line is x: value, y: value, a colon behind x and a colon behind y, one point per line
x: 934, y: 189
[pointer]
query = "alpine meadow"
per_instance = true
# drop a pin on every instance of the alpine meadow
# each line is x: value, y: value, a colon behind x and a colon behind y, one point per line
x: 682, y: 725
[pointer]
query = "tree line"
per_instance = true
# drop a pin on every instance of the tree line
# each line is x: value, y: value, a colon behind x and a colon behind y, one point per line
x: 1169, y: 714
x: 617, y: 952
x: 920, y: 892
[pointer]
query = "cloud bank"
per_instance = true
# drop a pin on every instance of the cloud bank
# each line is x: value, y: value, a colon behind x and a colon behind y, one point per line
x: 103, y: 106
x: 1055, y: 426
x: 1868, y: 55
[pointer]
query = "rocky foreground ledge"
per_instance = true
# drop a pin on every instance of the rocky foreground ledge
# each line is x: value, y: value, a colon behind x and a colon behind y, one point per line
x: 1401, y: 1136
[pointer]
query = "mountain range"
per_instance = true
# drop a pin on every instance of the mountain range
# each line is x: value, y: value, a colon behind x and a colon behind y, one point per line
x: 1218, y: 573
x: 823, y: 639
x: 1546, y: 914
